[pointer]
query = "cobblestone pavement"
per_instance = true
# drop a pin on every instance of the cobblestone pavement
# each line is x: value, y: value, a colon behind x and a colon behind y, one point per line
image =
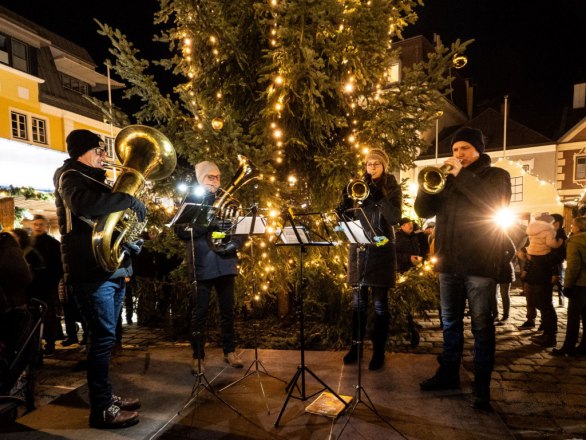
x: 536, y: 394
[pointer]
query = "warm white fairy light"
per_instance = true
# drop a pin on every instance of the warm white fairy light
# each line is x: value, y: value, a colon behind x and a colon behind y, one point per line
x: 278, y: 133
x: 279, y: 80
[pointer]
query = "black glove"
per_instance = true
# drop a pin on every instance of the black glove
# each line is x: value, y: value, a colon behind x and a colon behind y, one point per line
x: 138, y: 207
x: 227, y: 248
x: 133, y: 247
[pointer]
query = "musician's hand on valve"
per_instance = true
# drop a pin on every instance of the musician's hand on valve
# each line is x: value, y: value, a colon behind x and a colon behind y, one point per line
x: 456, y: 166
x: 133, y: 247
x: 226, y: 248
x: 138, y: 207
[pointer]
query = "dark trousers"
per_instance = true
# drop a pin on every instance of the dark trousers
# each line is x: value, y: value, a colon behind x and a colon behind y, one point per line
x: 576, y: 313
x: 542, y: 295
x: 100, y: 305
x: 225, y: 292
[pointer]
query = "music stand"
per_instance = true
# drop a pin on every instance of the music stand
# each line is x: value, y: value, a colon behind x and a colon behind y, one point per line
x: 356, y: 234
x: 298, y: 234
x: 190, y: 214
x: 253, y: 225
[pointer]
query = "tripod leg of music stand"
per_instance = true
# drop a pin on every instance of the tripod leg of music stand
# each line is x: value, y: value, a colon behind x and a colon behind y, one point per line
x: 327, y: 387
x: 291, y: 385
x: 267, y: 373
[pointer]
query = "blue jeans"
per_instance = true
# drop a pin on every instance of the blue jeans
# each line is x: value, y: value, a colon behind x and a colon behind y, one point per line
x: 100, y: 304
x: 224, y: 286
x: 454, y: 290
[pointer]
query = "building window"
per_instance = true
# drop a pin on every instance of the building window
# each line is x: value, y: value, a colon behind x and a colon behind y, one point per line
x: 517, y: 189
x: 14, y: 53
x: 19, y: 126
x: 75, y: 84
x: 39, y: 129
x: 580, y: 170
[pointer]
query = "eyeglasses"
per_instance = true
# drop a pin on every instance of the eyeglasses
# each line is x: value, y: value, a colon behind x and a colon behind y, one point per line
x: 373, y: 164
x: 100, y: 151
x: 213, y: 177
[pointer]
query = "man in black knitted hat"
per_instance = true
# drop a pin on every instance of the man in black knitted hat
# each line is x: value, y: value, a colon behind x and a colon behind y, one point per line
x: 470, y: 249
x: 81, y: 197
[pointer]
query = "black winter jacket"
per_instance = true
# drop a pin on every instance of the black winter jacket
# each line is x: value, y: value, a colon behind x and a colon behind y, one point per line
x: 407, y: 245
x: 208, y: 264
x: 468, y: 241
x: 375, y: 265
x: 81, y: 189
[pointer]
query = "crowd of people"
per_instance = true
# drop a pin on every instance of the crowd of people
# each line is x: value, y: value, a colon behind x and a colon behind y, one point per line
x: 476, y: 261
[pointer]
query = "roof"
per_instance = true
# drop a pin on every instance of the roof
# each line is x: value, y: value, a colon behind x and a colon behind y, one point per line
x: 490, y: 122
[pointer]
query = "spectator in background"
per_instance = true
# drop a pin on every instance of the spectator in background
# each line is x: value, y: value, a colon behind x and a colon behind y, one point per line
x: 575, y: 290
x: 560, y: 253
x: 424, y: 236
x: 50, y: 250
x: 407, y: 246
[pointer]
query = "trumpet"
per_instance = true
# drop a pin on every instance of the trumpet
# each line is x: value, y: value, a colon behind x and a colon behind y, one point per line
x: 358, y: 190
x: 432, y: 180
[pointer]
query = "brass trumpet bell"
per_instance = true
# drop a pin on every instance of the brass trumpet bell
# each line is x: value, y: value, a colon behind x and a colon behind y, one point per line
x: 432, y: 180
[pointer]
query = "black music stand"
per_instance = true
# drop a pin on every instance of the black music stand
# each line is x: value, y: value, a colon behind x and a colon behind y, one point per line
x: 298, y: 234
x: 191, y: 214
x: 252, y: 224
x: 356, y: 234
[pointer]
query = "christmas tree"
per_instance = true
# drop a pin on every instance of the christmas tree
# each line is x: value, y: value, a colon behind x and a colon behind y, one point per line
x: 302, y: 88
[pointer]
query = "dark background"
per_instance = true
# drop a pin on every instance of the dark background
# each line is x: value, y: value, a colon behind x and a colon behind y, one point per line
x: 534, y: 52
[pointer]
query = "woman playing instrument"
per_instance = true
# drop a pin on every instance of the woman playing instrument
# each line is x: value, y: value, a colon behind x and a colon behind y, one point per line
x: 372, y: 267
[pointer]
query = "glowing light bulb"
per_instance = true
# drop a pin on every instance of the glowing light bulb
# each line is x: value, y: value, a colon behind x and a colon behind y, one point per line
x: 279, y: 80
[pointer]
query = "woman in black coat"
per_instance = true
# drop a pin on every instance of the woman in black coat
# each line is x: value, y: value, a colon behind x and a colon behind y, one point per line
x: 372, y: 267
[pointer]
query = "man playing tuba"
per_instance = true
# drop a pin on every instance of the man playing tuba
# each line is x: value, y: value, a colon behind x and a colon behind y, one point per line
x: 81, y: 196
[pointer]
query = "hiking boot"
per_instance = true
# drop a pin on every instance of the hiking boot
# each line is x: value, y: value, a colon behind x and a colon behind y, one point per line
x: 352, y: 356
x: 442, y: 380
x: 233, y: 359
x: 528, y: 324
x: 126, y: 404
x: 113, y: 418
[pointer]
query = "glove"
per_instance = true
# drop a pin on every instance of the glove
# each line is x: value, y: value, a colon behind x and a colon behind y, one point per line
x: 227, y: 248
x: 139, y: 209
x: 133, y: 247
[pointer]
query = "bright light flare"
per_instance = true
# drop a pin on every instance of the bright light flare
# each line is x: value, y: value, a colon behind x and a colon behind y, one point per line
x: 504, y: 218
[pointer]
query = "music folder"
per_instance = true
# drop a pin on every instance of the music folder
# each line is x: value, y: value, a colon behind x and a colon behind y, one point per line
x: 244, y: 225
x: 190, y: 213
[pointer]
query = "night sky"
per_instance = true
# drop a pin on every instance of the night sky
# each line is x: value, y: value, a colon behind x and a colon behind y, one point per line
x: 528, y: 50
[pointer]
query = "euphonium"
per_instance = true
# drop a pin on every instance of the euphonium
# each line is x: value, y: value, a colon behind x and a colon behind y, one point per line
x: 226, y: 208
x: 145, y: 153
x: 432, y: 180
x: 358, y: 190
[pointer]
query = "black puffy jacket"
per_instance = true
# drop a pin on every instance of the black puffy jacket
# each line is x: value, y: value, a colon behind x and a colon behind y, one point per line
x: 81, y: 188
x: 375, y: 265
x: 468, y: 241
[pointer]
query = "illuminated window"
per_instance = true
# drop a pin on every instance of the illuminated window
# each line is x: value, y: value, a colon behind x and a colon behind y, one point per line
x: 580, y: 168
x: 19, y: 126
x: 517, y: 189
x: 109, y: 146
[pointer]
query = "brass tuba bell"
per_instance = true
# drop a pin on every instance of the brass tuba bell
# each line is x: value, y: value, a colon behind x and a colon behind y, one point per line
x: 145, y: 153
x: 432, y: 180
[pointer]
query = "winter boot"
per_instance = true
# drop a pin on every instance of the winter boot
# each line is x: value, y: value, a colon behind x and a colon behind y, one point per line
x: 358, y: 330
x: 481, y: 388
x: 379, y: 342
x: 447, y: 377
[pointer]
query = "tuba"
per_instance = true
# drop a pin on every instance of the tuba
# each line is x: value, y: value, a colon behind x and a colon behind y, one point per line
x: 226, y: 209
x: 432, y: 180
x: 145, y: 153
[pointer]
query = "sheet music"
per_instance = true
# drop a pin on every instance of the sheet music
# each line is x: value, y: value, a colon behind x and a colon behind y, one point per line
x: 244, y: 224
x: 356, y: 233
x: 288, y: 236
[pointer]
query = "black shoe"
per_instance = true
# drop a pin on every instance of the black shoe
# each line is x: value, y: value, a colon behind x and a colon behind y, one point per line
x: 563, y: 352
x: 377, y: 361
x: 482, y: 404
x: 352, y: 356
x: 540, y: 328
x: 441, y: 381
x: 545, y: 340
x: 528, y: 324
x: 113, y: 418
x: 126, y: 404
x: 69, y: 342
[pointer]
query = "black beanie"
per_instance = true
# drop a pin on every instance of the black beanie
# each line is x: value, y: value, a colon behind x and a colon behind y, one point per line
x: 471, y: 135
x: 81, y: 141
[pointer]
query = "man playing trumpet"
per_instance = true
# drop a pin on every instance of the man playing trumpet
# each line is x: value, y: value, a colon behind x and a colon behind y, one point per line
x: 470, y: 248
